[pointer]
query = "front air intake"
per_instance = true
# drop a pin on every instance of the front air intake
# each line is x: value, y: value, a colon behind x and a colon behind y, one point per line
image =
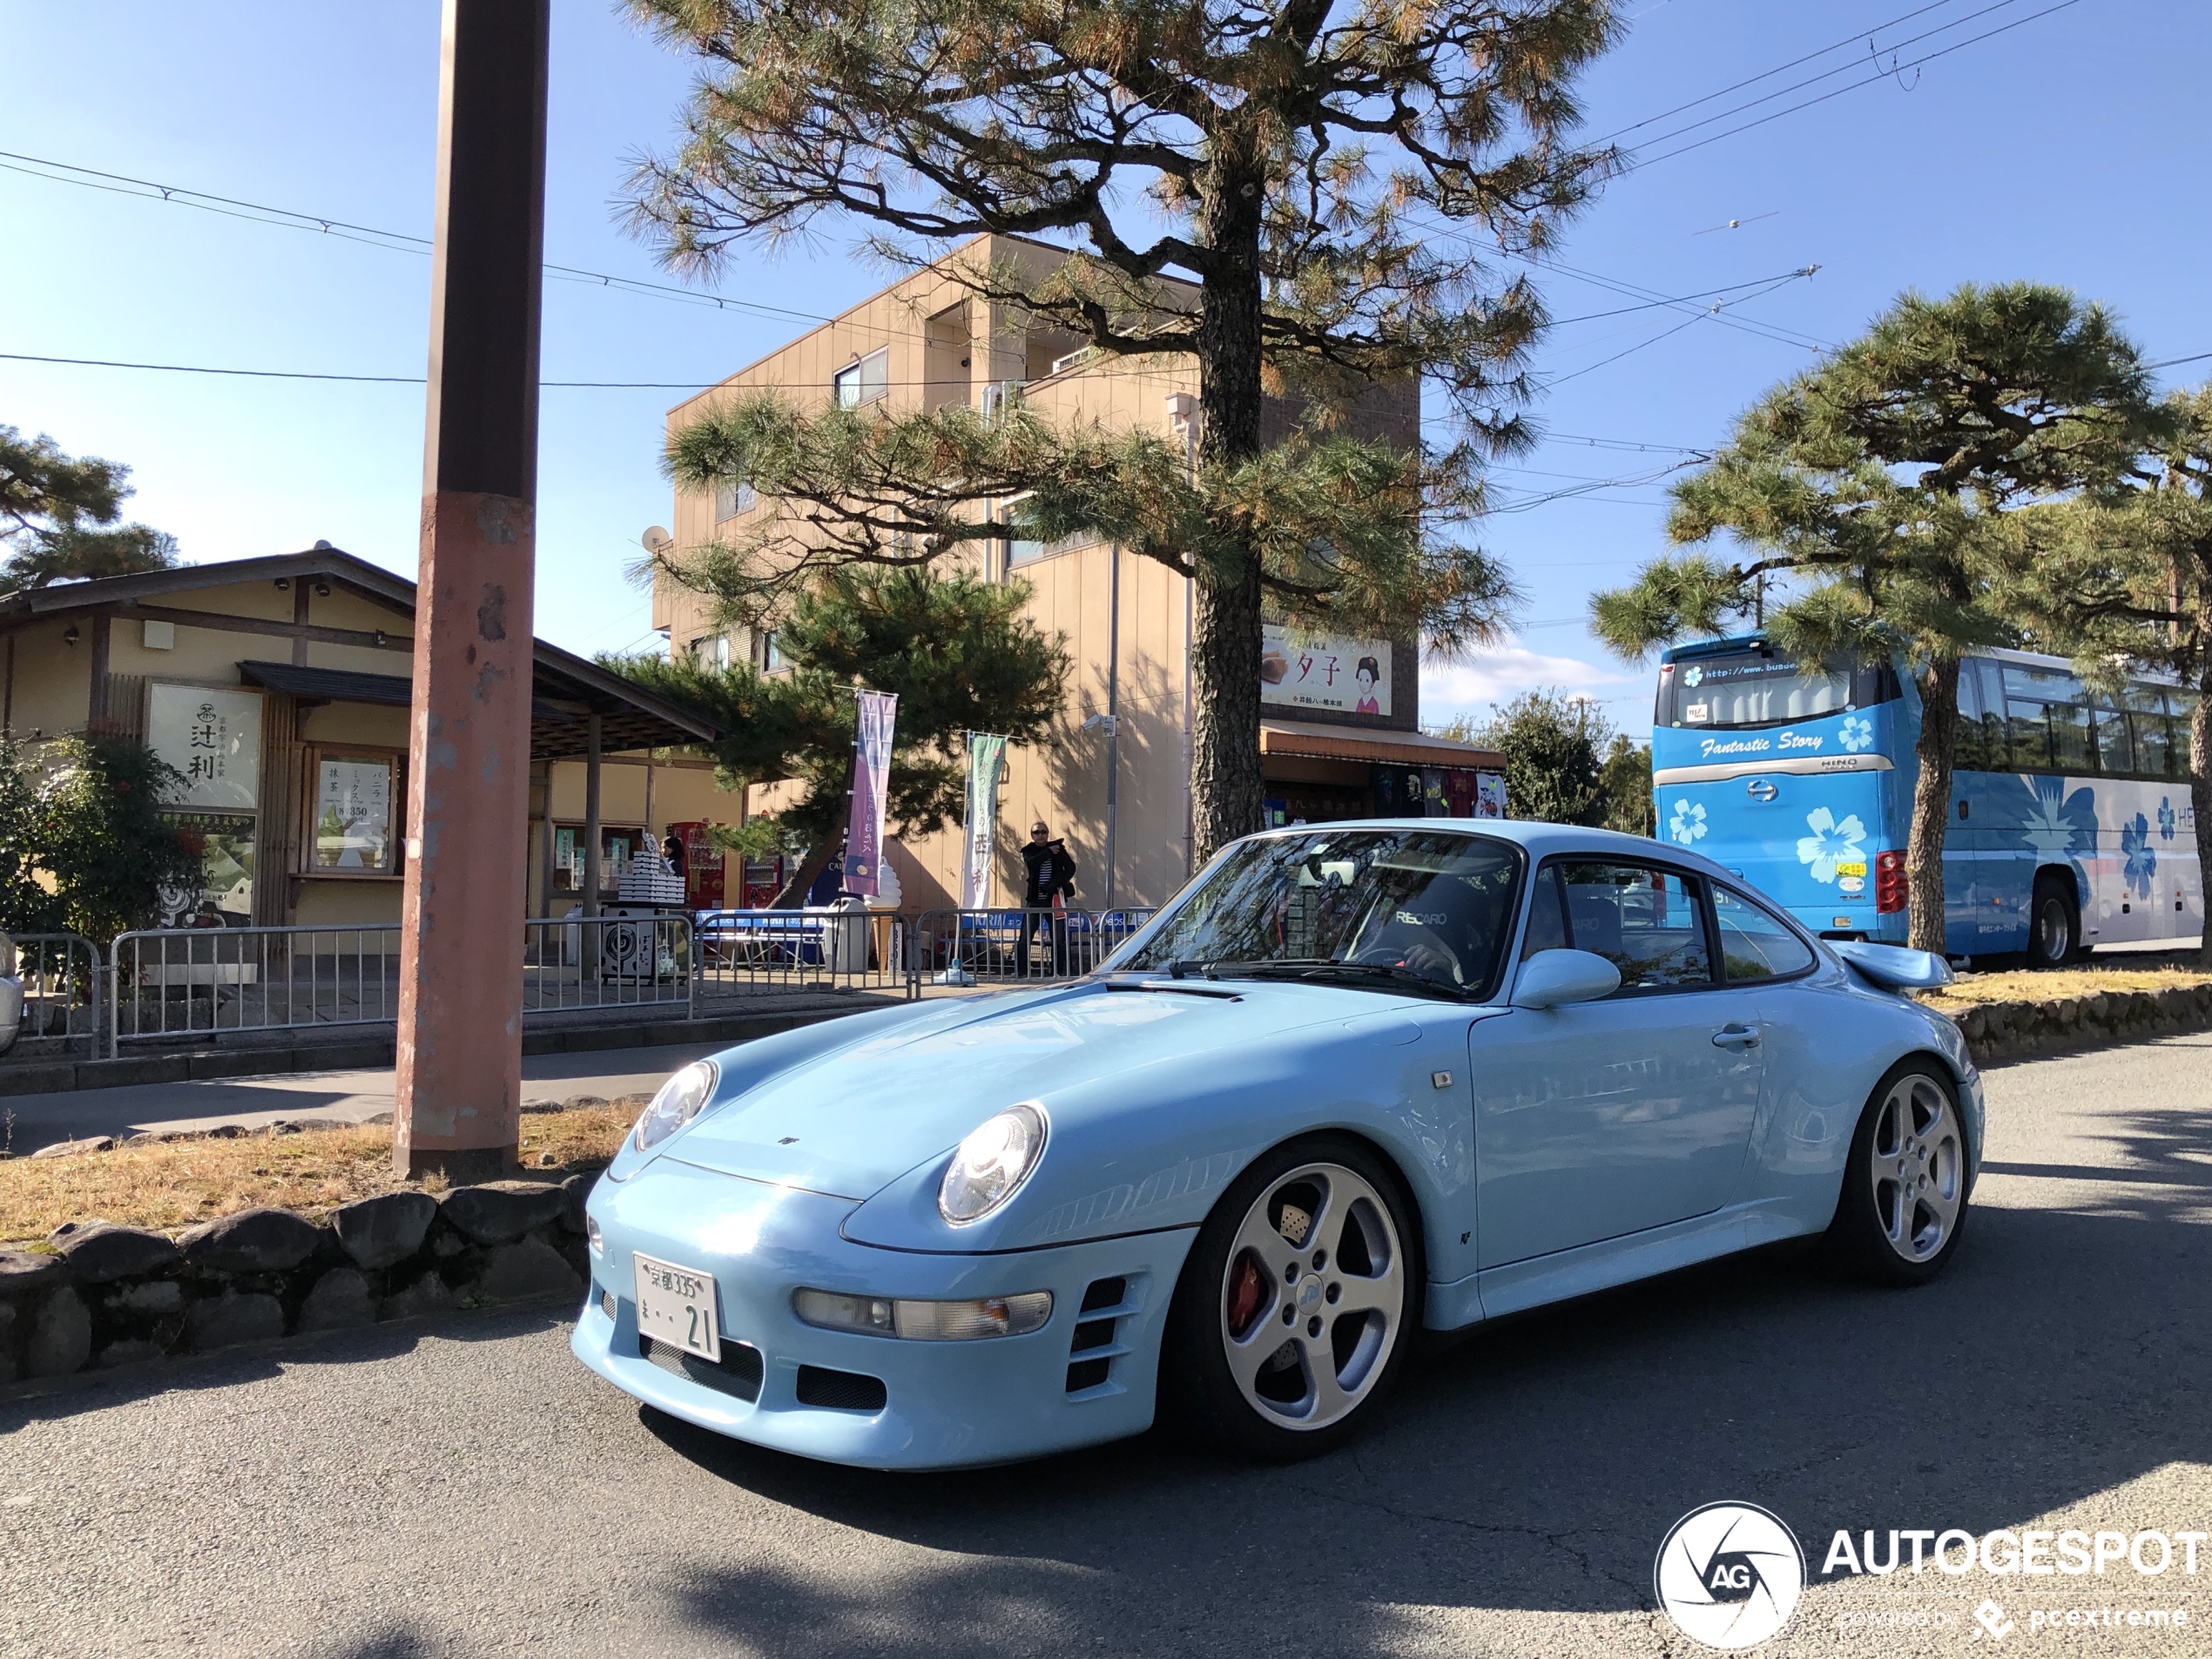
x: 840, y: 1391
x: 738, y: 1373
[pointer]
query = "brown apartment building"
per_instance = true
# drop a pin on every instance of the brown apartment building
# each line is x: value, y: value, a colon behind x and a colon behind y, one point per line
x: 1340, y: 736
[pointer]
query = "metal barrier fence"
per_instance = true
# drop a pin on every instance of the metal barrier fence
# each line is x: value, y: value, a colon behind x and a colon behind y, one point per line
x: 182, y: 981
x: 606, y: 962
x: 1018, y: 946
x: 851, y: 948
x: 171, y: 982
x: 61, y: 982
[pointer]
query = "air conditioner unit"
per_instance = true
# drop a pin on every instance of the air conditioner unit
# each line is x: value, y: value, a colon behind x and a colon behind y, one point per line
x: 999, y: 397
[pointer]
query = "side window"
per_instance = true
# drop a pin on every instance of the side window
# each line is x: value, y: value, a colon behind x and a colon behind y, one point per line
x: 1644, y: 921
x: 1547, y: 918
x: 1755, y: 945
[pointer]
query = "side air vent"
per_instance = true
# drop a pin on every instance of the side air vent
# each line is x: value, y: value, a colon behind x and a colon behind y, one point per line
x: 739, y: 1372
x: 840, y: 1391
x: 1092, y: 1350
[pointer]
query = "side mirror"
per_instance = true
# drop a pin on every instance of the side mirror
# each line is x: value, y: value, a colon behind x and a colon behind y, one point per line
x: 1554, y: 977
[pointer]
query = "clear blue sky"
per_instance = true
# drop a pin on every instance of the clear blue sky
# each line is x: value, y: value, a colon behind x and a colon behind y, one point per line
x: 2068, y: 149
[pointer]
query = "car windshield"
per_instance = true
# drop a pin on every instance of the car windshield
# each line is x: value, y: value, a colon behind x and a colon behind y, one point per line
x: 1396, y: 909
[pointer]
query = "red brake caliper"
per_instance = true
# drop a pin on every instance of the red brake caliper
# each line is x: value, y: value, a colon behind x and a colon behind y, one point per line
x: 1246, y: 1288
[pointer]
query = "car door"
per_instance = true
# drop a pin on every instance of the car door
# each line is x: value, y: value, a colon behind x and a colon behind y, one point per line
x: 1600, y: 1119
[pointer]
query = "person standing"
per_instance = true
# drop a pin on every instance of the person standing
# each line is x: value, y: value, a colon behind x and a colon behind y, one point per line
x: 1048, y: 879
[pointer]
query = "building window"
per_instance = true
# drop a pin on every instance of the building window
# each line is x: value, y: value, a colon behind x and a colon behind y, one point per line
x: 767, y: 656
x: 730, y: 499
x: 864, y: 382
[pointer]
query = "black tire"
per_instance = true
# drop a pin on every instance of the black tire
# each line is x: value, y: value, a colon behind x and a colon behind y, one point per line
x: 1200, y: 1398
x: 1874, y: 1210
x: 2053, y: 922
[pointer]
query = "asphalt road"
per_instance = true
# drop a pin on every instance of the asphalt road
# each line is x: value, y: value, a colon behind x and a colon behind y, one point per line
x: 466, y: 1489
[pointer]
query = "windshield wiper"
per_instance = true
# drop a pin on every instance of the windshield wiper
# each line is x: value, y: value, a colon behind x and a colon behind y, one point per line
x: 1316, y: 967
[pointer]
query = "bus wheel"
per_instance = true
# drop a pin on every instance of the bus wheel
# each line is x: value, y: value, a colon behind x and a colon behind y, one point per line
x: 2054, y: 923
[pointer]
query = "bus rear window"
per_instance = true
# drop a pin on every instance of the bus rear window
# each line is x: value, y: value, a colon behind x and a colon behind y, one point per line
x: 1737, y: 689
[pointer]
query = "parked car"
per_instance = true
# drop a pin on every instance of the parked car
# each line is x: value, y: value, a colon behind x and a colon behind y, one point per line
x: 1358, y: 1082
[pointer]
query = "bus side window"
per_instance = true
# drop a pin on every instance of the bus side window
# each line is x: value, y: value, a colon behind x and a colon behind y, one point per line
x: 2028, y: 728
x: 2183, y: 706
x: 1995, y: 754
x: 2115, y: 748
x: 2155, y: 756
x: 1968, y: 755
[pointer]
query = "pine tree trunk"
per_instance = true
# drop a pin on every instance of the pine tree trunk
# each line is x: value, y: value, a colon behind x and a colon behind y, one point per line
x: 801, y: 881
x: 2200, y: 743
x: 1931, y: 805
x: 1227, y: 795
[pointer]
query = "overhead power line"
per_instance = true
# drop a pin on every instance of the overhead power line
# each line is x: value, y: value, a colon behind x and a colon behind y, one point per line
x: 1852, y: 39
x: 1882, y: 73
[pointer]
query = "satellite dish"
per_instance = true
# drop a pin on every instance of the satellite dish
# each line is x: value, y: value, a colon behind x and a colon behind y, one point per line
x: 655, y: 538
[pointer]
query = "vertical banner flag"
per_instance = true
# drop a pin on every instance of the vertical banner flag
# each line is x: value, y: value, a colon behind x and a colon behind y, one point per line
x: 986, y: 754
x: 871, y: 775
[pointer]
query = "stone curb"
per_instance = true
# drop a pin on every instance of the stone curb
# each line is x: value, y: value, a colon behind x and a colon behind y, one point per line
x: 1997, y: 1031
x: 120, y: 1297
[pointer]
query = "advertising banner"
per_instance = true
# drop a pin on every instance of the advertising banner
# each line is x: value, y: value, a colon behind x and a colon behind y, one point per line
x: 986, y: 755
x: 871, y: 777
x: 212, y: 736
x: 1306, y: 670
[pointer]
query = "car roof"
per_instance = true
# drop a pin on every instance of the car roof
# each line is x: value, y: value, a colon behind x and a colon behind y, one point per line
x: 1543, y: 840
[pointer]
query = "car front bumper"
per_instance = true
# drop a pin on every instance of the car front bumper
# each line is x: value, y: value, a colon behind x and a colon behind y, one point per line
x: 945, y: 1405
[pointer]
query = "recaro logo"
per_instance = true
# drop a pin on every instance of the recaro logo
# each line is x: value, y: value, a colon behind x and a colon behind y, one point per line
x: 1729, y: 1574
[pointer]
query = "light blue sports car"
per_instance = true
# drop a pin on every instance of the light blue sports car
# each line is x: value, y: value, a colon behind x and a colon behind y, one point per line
x: 1358, y: 1082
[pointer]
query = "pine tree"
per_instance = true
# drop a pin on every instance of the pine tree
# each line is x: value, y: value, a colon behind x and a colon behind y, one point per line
x: 959, y: 654
x: 1874, y: 489
x: 1300, y: 198
x: 58, y: 517
x: 2123, y: 579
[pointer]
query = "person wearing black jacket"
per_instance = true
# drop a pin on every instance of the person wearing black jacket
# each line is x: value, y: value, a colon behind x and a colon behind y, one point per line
x: 1048, y: 872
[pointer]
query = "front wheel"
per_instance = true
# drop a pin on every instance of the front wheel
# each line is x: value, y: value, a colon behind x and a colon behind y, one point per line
x: 1903, y: 1201
x: 2053, y: 924
x: 1291, y: 1321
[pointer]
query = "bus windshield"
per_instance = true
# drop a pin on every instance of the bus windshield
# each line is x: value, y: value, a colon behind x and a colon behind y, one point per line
x: 1732, y: 691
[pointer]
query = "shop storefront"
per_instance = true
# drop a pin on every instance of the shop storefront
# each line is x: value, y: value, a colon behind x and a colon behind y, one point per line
x: 1319, y: 774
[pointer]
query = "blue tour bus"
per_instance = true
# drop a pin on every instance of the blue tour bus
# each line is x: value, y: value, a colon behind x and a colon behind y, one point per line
x: 2071, y: 823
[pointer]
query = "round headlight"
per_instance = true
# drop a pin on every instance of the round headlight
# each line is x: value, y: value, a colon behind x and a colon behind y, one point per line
x: 990, y: 1165
x: 677, y: 1104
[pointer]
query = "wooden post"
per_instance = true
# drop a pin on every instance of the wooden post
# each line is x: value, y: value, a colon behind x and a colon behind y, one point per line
x: 459, y: 1095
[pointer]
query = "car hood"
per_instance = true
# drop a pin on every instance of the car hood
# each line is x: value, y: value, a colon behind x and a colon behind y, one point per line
x: 850, y: 1121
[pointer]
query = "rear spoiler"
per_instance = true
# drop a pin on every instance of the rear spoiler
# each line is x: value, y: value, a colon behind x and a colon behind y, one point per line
x: 1893, y: 967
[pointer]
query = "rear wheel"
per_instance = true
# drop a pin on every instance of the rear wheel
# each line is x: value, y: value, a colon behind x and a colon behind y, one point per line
x: 2053, y: 922
x: 1293, y: 1318
x: 1904, y: 1201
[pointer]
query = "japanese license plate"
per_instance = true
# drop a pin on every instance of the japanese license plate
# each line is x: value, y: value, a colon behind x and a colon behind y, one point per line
x: 676, y: 1305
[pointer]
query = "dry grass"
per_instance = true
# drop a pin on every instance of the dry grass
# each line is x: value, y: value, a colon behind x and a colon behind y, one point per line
x: 2026, y: 985
x: 178, y: 1184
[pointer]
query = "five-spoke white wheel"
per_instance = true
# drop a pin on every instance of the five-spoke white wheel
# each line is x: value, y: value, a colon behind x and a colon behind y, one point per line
x: 1292, y: 1317
x: 1314, y: 1296
x: 1904, y: 1188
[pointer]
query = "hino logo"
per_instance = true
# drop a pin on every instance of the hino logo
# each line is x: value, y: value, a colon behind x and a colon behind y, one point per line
x: 1759, y: 789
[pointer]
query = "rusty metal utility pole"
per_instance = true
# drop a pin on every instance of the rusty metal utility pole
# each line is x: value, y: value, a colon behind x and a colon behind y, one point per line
x: 468, y: 740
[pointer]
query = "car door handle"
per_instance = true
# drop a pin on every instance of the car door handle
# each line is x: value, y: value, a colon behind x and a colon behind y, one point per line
x: 1736, y: 1036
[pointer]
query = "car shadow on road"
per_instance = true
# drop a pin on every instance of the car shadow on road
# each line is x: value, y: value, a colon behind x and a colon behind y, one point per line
x: 24, y: 1403
x: 1535, y: 1468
